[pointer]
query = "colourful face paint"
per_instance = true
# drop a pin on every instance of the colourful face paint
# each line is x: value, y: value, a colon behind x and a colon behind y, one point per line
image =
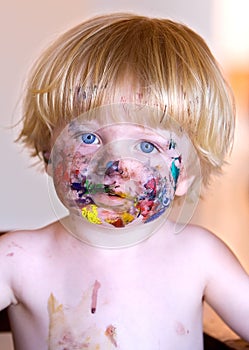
x: 119, y: 183
x: 118, y: 175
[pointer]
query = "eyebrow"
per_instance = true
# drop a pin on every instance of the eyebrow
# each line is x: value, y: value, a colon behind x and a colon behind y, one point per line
x: 75, y: 126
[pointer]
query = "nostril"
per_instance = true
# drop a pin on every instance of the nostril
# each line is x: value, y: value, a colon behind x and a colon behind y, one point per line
x: 112, y: 168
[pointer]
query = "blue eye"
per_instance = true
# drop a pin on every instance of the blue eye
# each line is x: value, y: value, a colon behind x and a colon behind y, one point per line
x: 89, y: 139
x: 147, y: 147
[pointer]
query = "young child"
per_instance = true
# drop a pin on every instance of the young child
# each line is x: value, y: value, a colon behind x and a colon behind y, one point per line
x: 128, y: 113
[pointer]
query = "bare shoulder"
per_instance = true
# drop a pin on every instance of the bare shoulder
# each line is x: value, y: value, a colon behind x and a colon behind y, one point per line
x: 17, y: 247
x: 19, y: 251
x: 208, y: 243
x: 197, y: 237
x: 204, y: 247
x: 20, y: 240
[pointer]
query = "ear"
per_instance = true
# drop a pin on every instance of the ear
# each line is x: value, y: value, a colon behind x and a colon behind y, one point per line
x: 183, y: 185
x: 46, y: 159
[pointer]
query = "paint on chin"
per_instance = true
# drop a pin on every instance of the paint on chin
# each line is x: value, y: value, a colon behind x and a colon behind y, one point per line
x: 127, y: 198
x: 112, y: 189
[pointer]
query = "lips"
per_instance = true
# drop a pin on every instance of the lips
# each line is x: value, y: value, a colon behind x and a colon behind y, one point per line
x: 113, y: 199
x: 115, y: 191
x: 117, y: 194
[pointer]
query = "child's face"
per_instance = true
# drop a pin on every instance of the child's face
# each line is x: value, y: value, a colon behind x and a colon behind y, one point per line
x: 115, y: 174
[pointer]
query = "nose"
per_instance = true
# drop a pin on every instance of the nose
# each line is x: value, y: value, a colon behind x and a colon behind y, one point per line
x: 112, y: 168
x: 107, y: 160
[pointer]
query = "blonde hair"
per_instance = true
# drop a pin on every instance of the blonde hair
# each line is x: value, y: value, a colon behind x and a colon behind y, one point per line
x: 171, y: 66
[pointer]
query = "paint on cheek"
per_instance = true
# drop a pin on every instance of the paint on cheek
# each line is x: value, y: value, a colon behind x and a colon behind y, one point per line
x: 175, y: 169
x: 111, y: 334
x: 146, y: 200
x: 96, y: 287
x: 106, y: 190
x: 176, y: 162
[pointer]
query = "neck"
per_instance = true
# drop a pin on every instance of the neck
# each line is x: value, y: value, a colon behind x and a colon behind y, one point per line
x: 110, y: 238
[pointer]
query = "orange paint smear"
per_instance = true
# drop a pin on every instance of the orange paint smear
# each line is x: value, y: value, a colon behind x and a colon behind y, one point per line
x: 111, y: 334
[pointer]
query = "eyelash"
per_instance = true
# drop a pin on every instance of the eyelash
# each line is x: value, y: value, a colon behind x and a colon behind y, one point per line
x: 87, y: 137
x: 91, y: 139
x: 146, y: 144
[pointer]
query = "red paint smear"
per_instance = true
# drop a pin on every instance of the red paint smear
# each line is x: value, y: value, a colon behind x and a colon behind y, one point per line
x: 96, y: 287
x: 117, y: 223
x: 10, y: 254
x: 111, y: 334
x: 180, y: 329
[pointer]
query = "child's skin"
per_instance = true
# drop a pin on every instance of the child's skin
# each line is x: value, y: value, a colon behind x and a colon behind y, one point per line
x: 65, y: 294
x: 63, y: 286
x: 152, y: 300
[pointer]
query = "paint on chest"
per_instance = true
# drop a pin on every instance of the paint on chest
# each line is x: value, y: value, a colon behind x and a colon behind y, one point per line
x: 111, y: 334
x: 180, y: 329
x: 13, y: 248
x: 76, y: 327
x: 96, y: 287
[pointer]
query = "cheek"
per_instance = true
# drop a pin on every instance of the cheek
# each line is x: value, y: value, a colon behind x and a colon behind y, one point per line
x: 79, y: 164
x: 135, y: 170
x: 69, y: 167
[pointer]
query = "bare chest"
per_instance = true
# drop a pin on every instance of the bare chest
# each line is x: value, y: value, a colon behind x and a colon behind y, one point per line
x: 126, y: 301
x: 134, y: 304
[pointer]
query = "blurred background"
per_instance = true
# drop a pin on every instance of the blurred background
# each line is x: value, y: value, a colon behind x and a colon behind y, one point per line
x: 27, y: 26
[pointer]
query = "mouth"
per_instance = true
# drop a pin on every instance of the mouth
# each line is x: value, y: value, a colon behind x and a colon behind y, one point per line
x: 112, y: 193
x: 118, y: 198
x: 114, y: 197
x: 115, y: 193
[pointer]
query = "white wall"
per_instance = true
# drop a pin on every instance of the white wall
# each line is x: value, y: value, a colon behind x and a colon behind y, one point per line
x: 26, y: 27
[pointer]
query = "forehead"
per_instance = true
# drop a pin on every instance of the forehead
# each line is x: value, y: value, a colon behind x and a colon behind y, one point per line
x: 141, y: 116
